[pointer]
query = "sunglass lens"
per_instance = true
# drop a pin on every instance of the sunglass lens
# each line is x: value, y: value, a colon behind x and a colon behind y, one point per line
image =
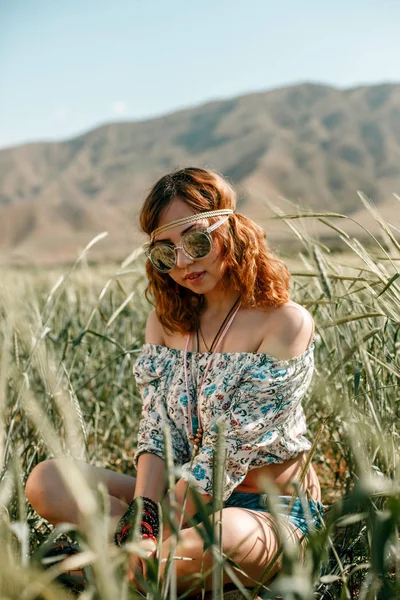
x: 162, y: 258
x: 197, y: 244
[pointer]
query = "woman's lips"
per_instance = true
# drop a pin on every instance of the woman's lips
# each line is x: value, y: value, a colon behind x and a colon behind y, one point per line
x: 195, y: 278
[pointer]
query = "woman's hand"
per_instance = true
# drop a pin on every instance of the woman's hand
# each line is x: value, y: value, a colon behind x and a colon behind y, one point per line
x: 137, y: 564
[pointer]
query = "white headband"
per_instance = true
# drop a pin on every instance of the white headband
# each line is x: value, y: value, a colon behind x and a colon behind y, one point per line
x: 190, y: 219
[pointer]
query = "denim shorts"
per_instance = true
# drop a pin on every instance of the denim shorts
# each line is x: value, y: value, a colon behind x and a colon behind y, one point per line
x: 296, y: 516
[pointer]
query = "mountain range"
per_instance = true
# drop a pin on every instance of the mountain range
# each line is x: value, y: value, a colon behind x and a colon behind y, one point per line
x: 315, y: 145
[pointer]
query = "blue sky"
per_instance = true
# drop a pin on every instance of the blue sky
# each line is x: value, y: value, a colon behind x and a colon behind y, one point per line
x: 68, y: 66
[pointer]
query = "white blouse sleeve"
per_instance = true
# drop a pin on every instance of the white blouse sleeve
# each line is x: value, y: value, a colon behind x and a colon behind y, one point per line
x: 153, y: 373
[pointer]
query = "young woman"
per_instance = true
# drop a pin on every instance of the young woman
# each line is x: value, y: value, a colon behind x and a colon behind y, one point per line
x: 225, y: 347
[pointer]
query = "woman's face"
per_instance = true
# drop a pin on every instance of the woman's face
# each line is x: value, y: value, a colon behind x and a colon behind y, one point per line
x: 200, y: 276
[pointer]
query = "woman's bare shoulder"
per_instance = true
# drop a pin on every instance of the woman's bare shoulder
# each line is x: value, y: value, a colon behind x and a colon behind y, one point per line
x: 154, y: 330
x: 289, y: 331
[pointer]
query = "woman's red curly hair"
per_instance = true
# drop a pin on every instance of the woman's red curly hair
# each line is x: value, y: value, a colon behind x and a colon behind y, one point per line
x: 250, y: 267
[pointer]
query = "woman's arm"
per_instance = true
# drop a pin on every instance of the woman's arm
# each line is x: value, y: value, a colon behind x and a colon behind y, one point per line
x: 150, y: 478
x: 181, y: 490
x: 184, y: 502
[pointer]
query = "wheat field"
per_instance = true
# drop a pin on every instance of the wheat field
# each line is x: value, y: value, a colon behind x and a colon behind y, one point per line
x: 68, y: 340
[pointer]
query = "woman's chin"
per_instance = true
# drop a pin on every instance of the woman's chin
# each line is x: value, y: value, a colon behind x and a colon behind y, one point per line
x: 201, y: 285
x: 208, y: 286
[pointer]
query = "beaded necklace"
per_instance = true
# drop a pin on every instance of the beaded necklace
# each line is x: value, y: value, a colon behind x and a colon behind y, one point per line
x: 195, y: 423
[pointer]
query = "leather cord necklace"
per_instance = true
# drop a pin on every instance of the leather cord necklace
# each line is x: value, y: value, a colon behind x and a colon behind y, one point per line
x: 203, y: 340
x: 215, y: 340
x: 195, y: 422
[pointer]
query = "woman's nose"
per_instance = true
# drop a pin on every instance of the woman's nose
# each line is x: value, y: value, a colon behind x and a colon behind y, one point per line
x: 181, y: 259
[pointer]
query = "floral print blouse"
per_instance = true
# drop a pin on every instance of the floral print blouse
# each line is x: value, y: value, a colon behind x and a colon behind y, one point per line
x: 255, y: 397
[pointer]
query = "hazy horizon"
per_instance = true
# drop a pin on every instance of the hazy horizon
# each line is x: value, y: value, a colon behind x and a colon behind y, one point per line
x: 188, y: 107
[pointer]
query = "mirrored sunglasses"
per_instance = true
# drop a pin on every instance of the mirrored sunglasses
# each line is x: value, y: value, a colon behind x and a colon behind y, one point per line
x: 194, y: 244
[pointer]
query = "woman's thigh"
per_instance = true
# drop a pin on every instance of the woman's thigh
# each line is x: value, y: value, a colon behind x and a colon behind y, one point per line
x: 51, y: 490
x: 250, y: 538
x: 117, y: 484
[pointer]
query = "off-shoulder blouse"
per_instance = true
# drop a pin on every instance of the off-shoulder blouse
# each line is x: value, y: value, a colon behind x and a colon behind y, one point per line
x: 256, y: 397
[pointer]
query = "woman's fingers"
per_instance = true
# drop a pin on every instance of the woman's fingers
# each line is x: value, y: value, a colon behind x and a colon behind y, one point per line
x: 137, y: 564
x: 135, y: 568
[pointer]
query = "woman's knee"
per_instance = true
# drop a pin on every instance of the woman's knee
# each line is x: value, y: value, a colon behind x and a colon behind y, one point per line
x: 38, y: 485
x: 46, y: 489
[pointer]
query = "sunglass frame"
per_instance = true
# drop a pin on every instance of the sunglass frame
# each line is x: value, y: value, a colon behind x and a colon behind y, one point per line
x: 205, y: 232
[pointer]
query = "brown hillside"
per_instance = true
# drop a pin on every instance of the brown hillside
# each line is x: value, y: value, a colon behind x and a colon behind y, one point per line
x: 314, y: 144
